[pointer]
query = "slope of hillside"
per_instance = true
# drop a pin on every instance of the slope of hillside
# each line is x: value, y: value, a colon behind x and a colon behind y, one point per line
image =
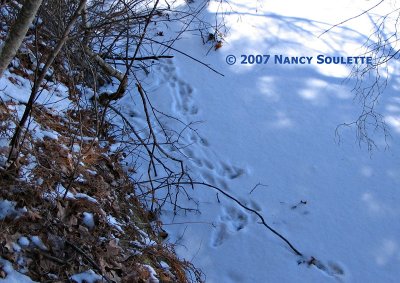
x: 69, y: 211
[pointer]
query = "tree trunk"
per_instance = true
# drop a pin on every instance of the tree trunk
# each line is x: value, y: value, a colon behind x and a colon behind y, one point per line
x: 17, y: 33
x: 14, y: 144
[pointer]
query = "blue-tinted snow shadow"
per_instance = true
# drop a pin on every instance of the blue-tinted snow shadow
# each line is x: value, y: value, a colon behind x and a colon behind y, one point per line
x: 291, y: 113
x: 280, y: 120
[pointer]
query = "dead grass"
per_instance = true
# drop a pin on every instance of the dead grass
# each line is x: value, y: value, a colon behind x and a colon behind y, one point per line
x: 77, y: 161
x: 72, y: 247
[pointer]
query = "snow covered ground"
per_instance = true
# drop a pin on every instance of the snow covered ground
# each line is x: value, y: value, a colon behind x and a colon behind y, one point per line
x: 275, y: 125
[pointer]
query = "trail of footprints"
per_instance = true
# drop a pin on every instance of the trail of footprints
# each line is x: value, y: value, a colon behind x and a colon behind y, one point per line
x: 201, y: 156
x: 330, y: 269
x: 182, y: 91
x: 212, y: 171
x: 232, y: 219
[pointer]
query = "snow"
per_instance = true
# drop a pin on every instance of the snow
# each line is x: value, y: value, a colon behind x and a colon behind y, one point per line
x: 91, y: 172
x: 49, y: 134
x: 57, y: 97
x: 153, y: 273
x: 61, y: 190
x: 76, y: 148
x: 38, y: 243
x: 114, y: 222
x: 275, y: 125
x: 88, y: 276
x: 115, y: 147
x: 145, y: 242
x: 16, y: 247
x: 3, y: 146
x: 164, y: 265
x: 85, y: 196
x: 12, y: 275
x: 7, y: 209
x: 26, y: 170
x: 88, y: 220
x: 23, y: 241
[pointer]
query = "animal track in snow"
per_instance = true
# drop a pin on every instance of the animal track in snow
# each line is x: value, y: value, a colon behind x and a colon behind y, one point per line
x: 184, y: 101
x: 182, y: 92
x: 210, y: 168
x: 231, y: 221
x: 235, y: 217
x: 204, y: 142
x: 209, y: 164
x: 184, y: 105
x: 219, y: 235
x: 230, y: 171
x: 208, y: 176
x: 251, y: 204
x: 301, y: 207
x: 331, y: 268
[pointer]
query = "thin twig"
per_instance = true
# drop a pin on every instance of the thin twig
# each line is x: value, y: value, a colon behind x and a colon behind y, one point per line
x: 138, y: 58
x: 349, y: 19
x: 89, y: 259
x: 263, y: 222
